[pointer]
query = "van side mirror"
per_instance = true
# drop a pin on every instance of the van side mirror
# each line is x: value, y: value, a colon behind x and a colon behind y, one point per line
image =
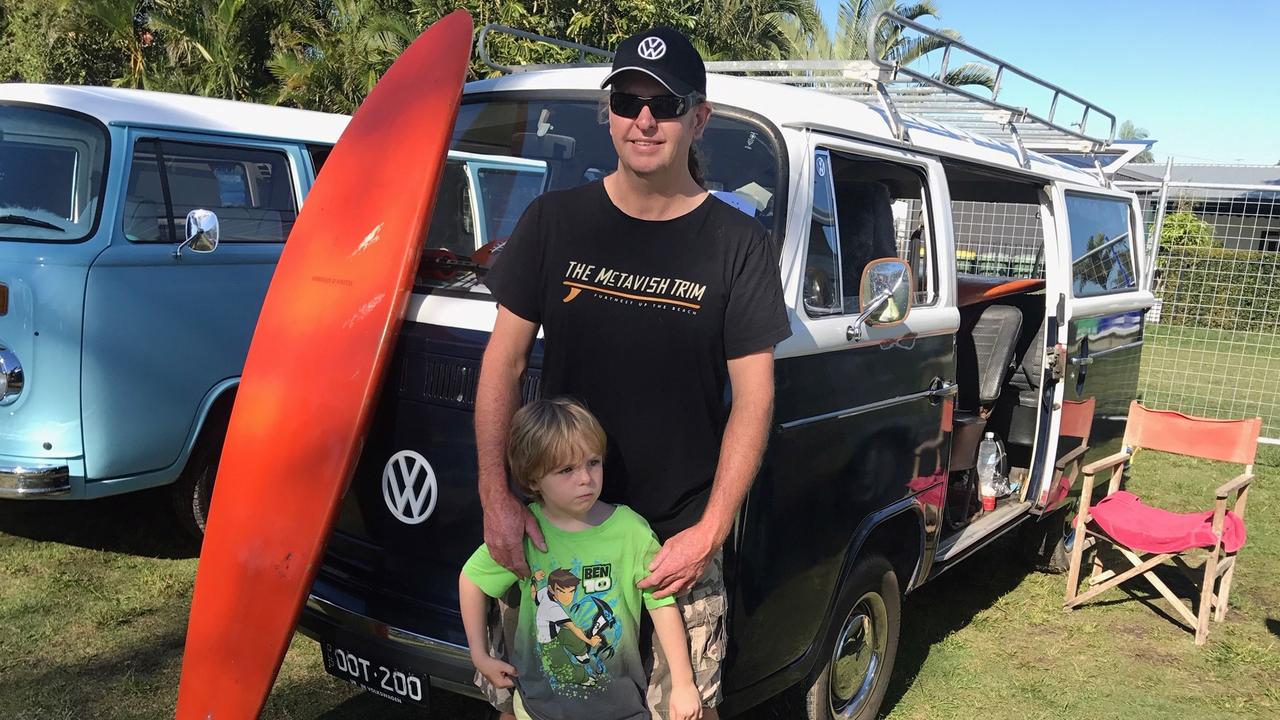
x: 202, y: 233
x: 885, y: 295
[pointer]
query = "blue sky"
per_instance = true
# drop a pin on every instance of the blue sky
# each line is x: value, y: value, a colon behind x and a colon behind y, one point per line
x: 1202, y: 78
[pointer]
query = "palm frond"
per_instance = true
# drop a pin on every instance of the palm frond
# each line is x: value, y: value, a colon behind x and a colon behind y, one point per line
x: 973, y: 73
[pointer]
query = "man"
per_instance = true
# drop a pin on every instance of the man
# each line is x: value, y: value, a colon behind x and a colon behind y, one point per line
x: 653, y: 297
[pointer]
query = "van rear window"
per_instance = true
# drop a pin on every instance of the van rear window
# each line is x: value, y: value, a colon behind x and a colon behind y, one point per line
x: 52, y: 172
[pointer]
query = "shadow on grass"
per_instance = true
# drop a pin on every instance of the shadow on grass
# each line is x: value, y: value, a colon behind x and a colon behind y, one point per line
x: 137, y: 679
x: 1274, y: 626
x: 941, y: 607
x: 948, y: 604
x: 139, y: 523
x: 1139, y: 590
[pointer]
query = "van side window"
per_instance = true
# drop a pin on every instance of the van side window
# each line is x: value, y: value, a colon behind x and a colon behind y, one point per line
x: 822, y: 291
x: 1101, y: 249
x: 250, y: 190
x: 880, y: 211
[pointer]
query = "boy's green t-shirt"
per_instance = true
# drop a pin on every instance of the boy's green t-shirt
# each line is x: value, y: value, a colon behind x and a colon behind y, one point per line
x: 576, y: 651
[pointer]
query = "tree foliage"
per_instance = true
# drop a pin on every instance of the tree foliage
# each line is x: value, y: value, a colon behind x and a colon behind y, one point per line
x: 1129, y: 131
x: 853, y: 30
x: 327, y: 54
x: 1185, y: 229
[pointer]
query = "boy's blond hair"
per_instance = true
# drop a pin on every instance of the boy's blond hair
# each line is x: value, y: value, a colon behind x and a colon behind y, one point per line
x: 547, y: 434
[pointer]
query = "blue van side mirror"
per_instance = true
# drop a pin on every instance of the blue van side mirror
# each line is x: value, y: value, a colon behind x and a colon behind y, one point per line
x: 202, y: 233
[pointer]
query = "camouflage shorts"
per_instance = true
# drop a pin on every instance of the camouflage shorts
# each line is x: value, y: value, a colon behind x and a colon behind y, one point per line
x: 703, y: 607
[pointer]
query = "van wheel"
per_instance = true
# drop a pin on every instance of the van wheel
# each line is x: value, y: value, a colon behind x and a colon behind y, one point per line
x: 1046, y: 544
x: 856, y: 676
x: 192, y: 493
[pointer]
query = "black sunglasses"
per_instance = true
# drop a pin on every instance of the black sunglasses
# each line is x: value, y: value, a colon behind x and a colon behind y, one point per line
x: 663, y: 107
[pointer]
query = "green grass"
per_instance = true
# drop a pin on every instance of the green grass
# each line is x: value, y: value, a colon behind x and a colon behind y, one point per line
x: 94, y: 598
x: 1212, y: 373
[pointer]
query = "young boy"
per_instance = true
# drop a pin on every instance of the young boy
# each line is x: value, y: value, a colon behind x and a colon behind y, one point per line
x: 576, y: 653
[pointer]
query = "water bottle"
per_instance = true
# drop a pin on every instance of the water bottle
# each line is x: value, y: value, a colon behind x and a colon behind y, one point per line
x: 988, y: 467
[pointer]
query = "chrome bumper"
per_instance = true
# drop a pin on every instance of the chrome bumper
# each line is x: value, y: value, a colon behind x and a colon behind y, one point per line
x: 34, y: 481
x: 407, y: 640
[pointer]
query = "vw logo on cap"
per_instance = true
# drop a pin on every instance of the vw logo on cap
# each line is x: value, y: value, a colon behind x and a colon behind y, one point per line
x: 409, y: 487
x: 652, y: 48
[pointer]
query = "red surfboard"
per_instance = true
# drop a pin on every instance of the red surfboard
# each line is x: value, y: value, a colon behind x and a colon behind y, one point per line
x: 311, y: 377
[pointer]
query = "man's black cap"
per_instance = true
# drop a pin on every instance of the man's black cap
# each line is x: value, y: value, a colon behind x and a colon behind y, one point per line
x: 665, y: 55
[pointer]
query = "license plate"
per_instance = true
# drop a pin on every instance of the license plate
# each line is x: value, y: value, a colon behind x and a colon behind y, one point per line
x: 373, y: 674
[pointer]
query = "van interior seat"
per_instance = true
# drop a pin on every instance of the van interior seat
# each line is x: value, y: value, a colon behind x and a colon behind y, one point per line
x: 985, y: 355
x: 1026, y: 380
x: 1030, y: 371
x: 864, y: 215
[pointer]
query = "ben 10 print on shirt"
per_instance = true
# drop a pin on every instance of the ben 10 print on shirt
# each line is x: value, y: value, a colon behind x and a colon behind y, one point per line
x: 577, y: 631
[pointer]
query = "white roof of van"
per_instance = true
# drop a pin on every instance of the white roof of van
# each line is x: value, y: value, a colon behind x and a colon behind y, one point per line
x: 782, y: 104
x: 145, y: 108
x: 786, y: 105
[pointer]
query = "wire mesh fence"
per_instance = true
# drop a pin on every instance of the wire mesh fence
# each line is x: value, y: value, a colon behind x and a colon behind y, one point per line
x: 1213, y: 336
x: 998, y: 239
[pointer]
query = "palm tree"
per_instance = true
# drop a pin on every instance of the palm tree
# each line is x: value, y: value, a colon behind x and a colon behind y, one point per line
x: 1129, y: 131
x: 205, y: 41
x: 332, y: 59
x: 753, y: 29
x: 125, y: 22
x: 853, y: 27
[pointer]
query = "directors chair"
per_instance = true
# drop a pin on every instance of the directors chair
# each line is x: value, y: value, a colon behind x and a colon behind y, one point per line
x: 1148, y: 536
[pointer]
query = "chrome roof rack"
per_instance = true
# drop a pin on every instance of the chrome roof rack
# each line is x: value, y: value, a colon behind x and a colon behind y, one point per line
x: 900, y: 89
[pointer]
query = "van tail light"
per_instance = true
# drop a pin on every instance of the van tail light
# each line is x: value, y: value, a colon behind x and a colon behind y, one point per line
x: 4, y: 299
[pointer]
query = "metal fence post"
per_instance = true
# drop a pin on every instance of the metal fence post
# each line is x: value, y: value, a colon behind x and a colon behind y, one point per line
x: 1155, y: 234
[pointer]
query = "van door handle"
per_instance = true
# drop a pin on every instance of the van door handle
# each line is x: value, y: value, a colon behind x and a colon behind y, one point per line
x: 939, y: 389
x: 1082, y: 362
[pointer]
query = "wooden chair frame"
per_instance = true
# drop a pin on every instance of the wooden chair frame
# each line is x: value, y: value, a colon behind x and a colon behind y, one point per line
x: 1224, y: 440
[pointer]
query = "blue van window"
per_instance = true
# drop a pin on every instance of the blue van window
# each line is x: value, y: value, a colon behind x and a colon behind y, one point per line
x: 250, y: 190
x: 505, y: 194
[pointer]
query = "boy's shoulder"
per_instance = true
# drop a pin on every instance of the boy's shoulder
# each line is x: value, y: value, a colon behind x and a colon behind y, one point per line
x: 629, y: 520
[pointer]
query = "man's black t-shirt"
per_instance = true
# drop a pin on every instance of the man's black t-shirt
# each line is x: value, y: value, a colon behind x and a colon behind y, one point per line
x: 639, y: 318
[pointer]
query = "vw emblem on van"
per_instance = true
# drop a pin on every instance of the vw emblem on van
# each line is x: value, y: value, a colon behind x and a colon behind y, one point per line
x: 409, y: 487
x: 652, y: 48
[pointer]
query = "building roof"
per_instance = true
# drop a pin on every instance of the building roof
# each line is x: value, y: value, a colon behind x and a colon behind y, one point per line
x: 1203, y: 173
x: 145, y: 108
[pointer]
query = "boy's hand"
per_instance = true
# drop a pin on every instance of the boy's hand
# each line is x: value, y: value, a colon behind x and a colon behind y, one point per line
x: 494, y: 670
x: 685, y: 703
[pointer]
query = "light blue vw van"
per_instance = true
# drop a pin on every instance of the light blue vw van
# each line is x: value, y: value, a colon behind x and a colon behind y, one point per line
x: 121, y: 340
